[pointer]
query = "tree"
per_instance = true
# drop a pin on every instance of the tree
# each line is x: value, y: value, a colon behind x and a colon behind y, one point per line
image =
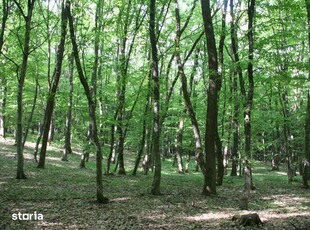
x: 67, y: 148
x: 56, y: 76
x: 214, y: 87
x: 156, y: 127
x: 5, y: 14
x: 21, y: 80
x: 306, y: 172
x: 91, y: 111
x: 188, y: 103
x: 234, y: 85
x: 247, y: 113
x: 219, y: 151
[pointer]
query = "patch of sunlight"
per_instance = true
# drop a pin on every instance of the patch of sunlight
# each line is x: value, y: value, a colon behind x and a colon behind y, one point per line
x: 265, y: 216
x: 122, y: 199
x: 3, y: 182
x: 209, y: 216
x: 166, y: 173
x: 44, y: 224
x: 58, y: 165
x: 258, y: 174
x: 28, y: 156
x: 281, y: 173
x: 259, y: 168
x: 286, y: 203
x: 54, y: 158
x: 156, y: 216
x: 31, y: 187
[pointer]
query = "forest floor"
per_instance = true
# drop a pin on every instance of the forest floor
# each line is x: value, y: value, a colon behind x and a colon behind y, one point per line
x: 65, y: 196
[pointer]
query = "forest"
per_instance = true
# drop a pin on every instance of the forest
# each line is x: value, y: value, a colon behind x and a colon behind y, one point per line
x: 167, y: 114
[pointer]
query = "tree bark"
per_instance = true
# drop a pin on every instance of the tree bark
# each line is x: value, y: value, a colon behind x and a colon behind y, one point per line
x: 198, y: 146
x: 5, y: 13
x: 67, y: 148
x: 3, y: 91
x: 237, y: 70
x: 21, y: 80
x: 56, y: 76
x: 32, y: 110
x: 179, y: 146
x: 212, y: 110
x: 156, y: 128
x: 247, y: 113
x: 218, y: 141
x: 306, y: 174
x: 91, y: 110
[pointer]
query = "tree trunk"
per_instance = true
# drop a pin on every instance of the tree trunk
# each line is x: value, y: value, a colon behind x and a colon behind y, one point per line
x: 85, y: 154
x: 180, y: 144
x: 306, y: 174
x: 92, y: 112
x: 56, y: 76
x: 220, y: 160
x: 247, y: 113
x: 5, y: 13
x: 212, y: 110
x: 142, y: 142
x: 32, y: 110
x: 219, y: 145
x: 67, y: 148
x: 188, y: 103
x: 21, y: 80
x: 113, y: 146
x: 283, y: 98
x: 3, y: 90
x: 156, y: 128
x: 39, y: 136
x: 237, y: 70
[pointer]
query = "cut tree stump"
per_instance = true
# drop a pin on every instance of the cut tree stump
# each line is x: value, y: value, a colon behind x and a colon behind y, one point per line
x: 251, y: 219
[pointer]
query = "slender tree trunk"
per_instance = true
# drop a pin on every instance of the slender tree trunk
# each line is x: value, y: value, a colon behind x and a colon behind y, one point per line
x: 179, y: 146
x: 237, y: 70
x: 247, y: 113
x: 3, y: 91
x: 218, y: 141
x: 21, y: 80
x: 32, y: 110
x: 38, y: 141
x: 306, y: 173
x: 56, y: 76
x: 67, y: 148
x: 286, y: 133
x: 156, y: 127
x: 142, y: 142
x: 5, y: 13
x: 121, y: 98
x: 236, y: 127
x: 113, y: 146
x: 214, y: 88
x: 188, y: 103
x: 92, y: 113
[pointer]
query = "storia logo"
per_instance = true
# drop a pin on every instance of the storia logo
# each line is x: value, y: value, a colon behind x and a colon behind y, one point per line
x: 27, y: 216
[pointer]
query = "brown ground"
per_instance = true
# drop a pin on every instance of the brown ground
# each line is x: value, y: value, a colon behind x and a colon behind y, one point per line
x: 64, y: 194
